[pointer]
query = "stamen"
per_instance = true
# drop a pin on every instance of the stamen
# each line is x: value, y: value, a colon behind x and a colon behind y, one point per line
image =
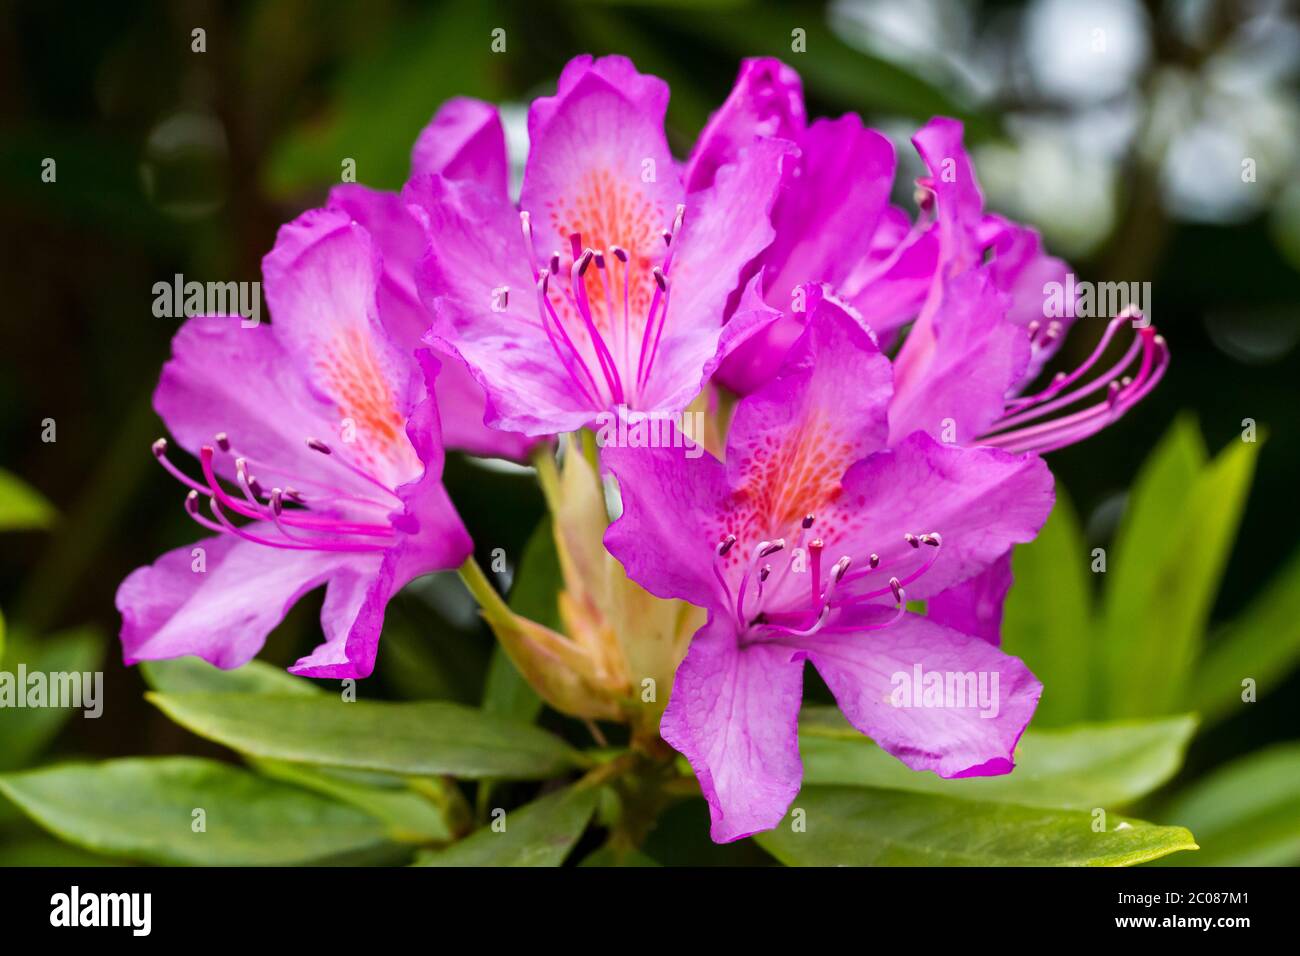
x: 1122, y: 392
x: 315, y: 444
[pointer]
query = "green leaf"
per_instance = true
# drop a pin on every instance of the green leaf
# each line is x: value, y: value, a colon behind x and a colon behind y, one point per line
x: 418, y: 738
x: 1263, y: 644
x: 853, y: 826
x: 409, y: 817
x: 187, y: 675
x: 1047, y: 617
x: 22, y: 508
x: 832, y: 70
x: 1169, y: 556
x: 609, y: 856
x: 143, y: 809
x: 42, y: 851
x: 385, y: 97
x: 25, y: 732
x: 1100, y: 765
x: 1245, y: 814
x: 538, y: 834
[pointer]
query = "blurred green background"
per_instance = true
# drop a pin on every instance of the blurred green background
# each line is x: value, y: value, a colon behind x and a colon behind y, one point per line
x: 1118, y: 128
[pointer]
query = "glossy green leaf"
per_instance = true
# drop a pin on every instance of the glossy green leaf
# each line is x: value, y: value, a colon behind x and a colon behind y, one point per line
x: 1169, y: 555
x: 1247, y: 813
x: 26, y: 731
x: 538, y: 834
x: 188, y: 675
x: 22, y: 508
x: 857, y: 826
x: 419, y: 738
x: 1263, y: 644
x: 1047, y: 617
x: 145, y: 809
x: 409, y: 816
x: 1099, y: 765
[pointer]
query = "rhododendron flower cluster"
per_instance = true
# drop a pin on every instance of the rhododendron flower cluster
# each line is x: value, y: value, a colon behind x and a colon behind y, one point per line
x: 867, y: 378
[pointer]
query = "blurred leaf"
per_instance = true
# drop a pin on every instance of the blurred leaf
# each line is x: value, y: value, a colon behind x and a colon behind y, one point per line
x: 610, y: 856
x: 1100, y: 765
x: 188, y: 675
x: 409, y: 817
x: 385, y: 97
x: 424, y: 655
x: 418, y: 738
x: 1247, y: 813
x: 1047, y: 617
x: 1262, y: 644
x: 538, y: 834
x: 831, y: 69
x: 98, y: 184
x: 142, y: 809
x: 1169, y: 556
x: 26, y: 731
x: 853, y: 826
x: 42, y: 851
x: 22, y: 508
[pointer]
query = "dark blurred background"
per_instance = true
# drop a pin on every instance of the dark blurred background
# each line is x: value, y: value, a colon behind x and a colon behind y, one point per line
x: 1117, y: 127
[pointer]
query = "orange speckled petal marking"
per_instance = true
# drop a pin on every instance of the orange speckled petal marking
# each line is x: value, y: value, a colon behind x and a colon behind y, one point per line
x: 369, y: 413
x: 321, y: 285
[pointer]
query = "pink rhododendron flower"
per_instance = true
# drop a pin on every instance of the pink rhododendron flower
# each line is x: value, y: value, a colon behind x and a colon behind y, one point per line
x: 804, y: 545
x: 834, y: 224
x: 981, y: 336
x: 464, y: 141
x: 606, y: 288
x: 833, y: 221
x: 327, y: 431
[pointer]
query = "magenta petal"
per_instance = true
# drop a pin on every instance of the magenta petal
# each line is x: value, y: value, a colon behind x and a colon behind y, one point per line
x: 734, y: 715
x: 476, y: 251
x: 959, y: 204
x: 826, y: 220
x: 975, y: 605
x: 951, y: 380
x: 401, y: 243
x: 673, y: 513
x: 430, y: 538
x: 598, y: 161
x: 825, y: 410
x: 766, y: 101
x: 1024, y: 270
x: 464, y: 140
x: 891, y: 291
x: 223, y: 377
x: 352, y: 617
x: 874, y: 677
x: 980, y: 500
x: 322, y: 284
x: 223, y: 612
x: 726, y: 227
